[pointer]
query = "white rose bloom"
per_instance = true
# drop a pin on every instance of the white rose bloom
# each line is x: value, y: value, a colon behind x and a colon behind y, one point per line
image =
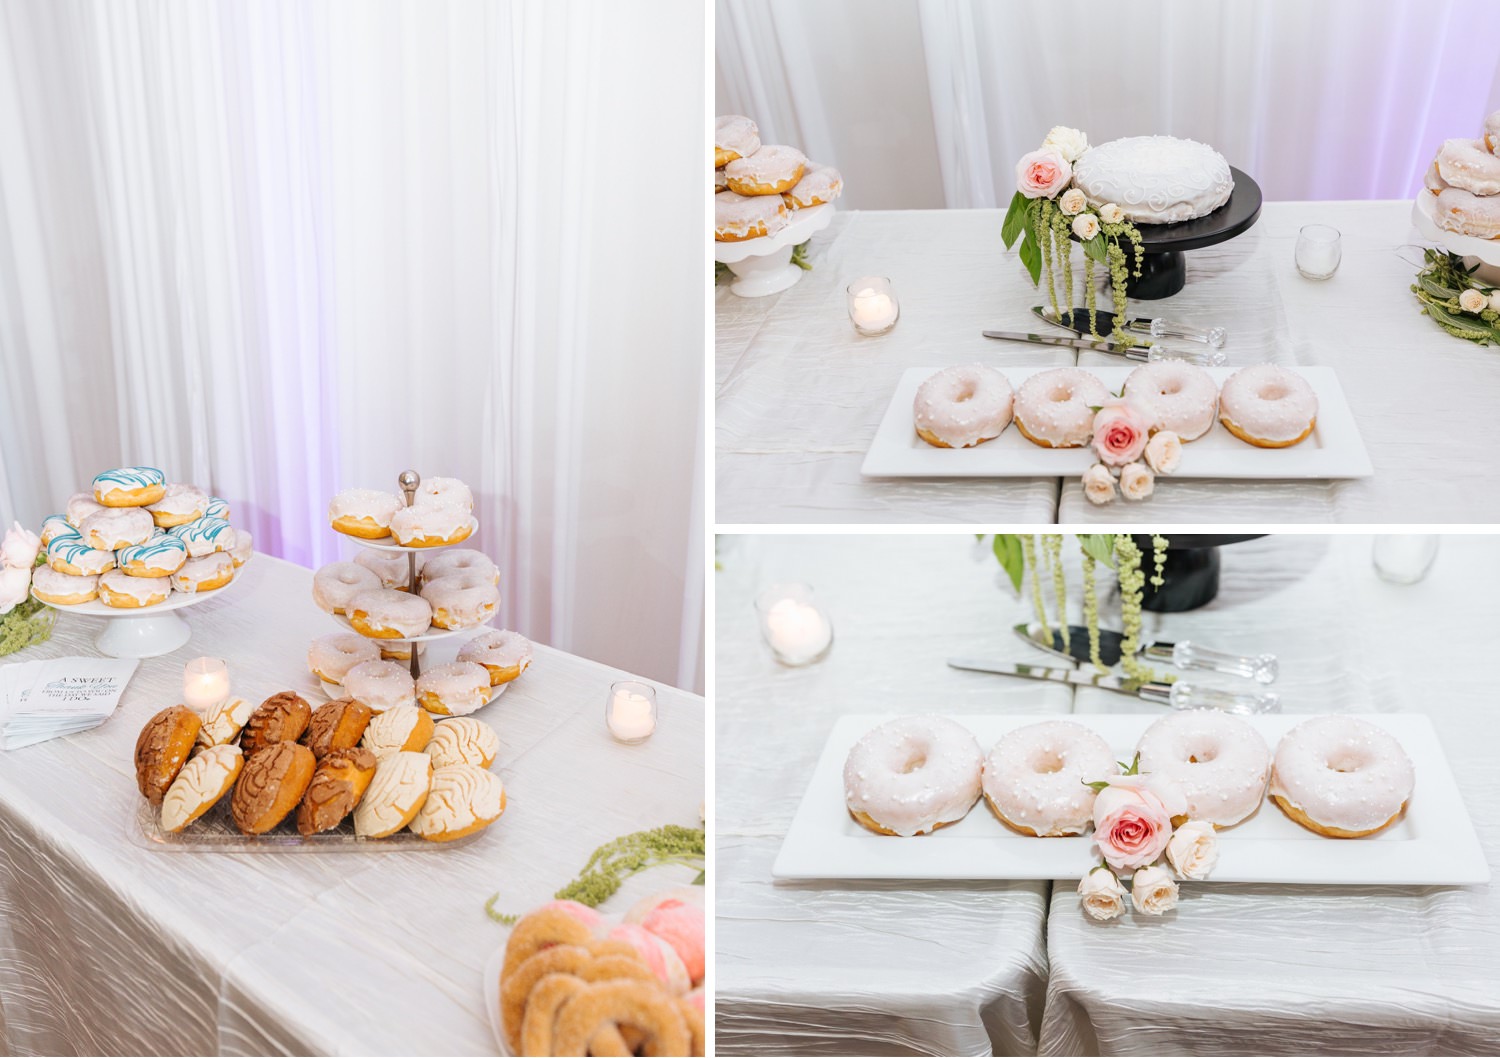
x: 1164, y: 452
x: 15, y: 585
x: 1098, y: 484
x: 1472, y: 300
x: 1152, y: 891
x: 20, y: 547
x: 1085, y: 226
x: 1136, y: 481
x: 1194, y: 849
x: 1110, y: 213
x: 1073, y: 201
x: 1102, y: 895
x: 1070, y: 143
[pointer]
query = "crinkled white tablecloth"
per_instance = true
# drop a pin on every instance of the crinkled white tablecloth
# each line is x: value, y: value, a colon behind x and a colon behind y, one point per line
x: 799, y: 393
x: 107, y: 948
x: 960, y: 968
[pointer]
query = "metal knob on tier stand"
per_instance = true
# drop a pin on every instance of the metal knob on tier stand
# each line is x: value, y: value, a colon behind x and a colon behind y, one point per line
x: 409, y: 480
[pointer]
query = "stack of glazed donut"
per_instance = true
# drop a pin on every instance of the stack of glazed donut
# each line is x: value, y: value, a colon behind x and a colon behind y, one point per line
x: 1465, y: 177
x: 1338, y: 776
x: 134, y: 539
x: 573, y: 982
x: 757, y: 188
x: 1264, y: 405
x: 284, y: 761
x: 441, y: 513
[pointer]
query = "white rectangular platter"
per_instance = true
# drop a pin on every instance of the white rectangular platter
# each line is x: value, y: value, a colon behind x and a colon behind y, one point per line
x: 1333, y: 450
x: 1433, y: 844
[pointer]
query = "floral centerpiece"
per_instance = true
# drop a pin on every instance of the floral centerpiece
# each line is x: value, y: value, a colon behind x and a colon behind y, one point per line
x: 1047, y: 212
x: 1463, y: 306
x: 23, y: 620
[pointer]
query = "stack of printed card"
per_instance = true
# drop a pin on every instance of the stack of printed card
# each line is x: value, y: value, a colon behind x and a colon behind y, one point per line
x: 59, y: 696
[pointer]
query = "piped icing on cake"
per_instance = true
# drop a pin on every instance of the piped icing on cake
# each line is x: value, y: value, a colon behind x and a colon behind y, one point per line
x: 1155, y: 179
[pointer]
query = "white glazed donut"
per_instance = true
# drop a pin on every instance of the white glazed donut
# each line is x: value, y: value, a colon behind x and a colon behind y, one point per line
x: 431, y: 525
x: 502, y: 653
x: 56, y: 525
x: 244, y: 547
x: 381, y: 685
x: 338, y: 582
x: 69, y: 554
x: 960, y: 407
x: 216, y: 508
x: 454, y: 689
x: 365, y: 513
x: 735, y: 136
x: 459, y: 560
x: 1341, y: 777
x: 1432, y: 180
x: 204, y: 536
x: 1268, y: 406
x: 382, y: 613
x: 161, y: 556
x: 119, y: 589
x: 1492, y: 133
x: 1219, y: 761
x: 1465, y: 213
x: 205, y: 573
x: 79, y: 506
x: 390, y: 566
x: 1468, y: 164
x: 178, y: 505
x: 769, y: 171
x: 130, y: 486
x: 117, y: 527
x: 400, y: 650
x: 332, y: 656
x: 63, y: 589
x: 1182, y: 396
x: 461, y: 600
x: 463, y: 740
x: 912, y: 775
x: 443, y: 490
x: 819, y: 185
x: 1034, y: 777
x: 1054, y: 408
x: 739, y: 217
x: 721, y: 182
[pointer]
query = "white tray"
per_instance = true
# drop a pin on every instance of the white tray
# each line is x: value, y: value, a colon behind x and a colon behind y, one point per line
x: 1334, y: 449
x: 1433, y: 844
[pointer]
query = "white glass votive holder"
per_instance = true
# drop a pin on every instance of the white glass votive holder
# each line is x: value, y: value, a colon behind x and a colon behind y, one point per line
x: 873, y: 308
x: 793, y: 625
x: 205, y: 683
x: 630, y: 711
x: 1405, y: 558
x: 1319, y: 250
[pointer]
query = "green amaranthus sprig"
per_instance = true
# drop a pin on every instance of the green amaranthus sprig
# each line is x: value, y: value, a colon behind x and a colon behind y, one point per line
x: 1440, y: 283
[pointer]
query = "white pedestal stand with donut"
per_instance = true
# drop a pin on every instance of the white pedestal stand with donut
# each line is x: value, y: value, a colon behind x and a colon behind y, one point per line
x: 764, y: 266
x: 1483, y: 252
x: 148, y: 632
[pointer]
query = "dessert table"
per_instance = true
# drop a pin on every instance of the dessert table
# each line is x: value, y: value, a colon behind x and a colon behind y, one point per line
x: 956, y: 967
x: 108, y: 948
x: 800, y: 393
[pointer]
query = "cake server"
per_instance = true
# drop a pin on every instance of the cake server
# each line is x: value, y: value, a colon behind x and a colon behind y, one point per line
x: 1148, y: 354
x: 1077, y: 322
x: 1177, y: 695
x: 1262, y: 668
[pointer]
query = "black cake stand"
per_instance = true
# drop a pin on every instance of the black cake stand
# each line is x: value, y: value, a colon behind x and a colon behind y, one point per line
x: 1163, y: 271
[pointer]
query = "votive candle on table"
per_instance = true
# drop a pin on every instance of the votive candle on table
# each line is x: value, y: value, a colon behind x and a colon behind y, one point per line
x: 205, y: 683
x: 873, y: 307
x: 793, y: 625
x: 630, y: 712
x: 1319, y: 250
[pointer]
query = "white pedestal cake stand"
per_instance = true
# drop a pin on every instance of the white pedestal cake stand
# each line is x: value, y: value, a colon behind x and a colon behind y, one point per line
x: 147, y: 632
x: 1483, y: 252
x: 764, y: 266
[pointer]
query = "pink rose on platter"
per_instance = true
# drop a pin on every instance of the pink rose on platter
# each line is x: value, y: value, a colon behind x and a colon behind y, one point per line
x: 1132, y: 825
x: 1120, y: 433
x: 18, y: 549
x: 1043, y: 174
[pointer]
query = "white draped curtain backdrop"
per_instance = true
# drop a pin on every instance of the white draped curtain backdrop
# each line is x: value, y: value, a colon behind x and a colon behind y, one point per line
x: 284, y: 247
x: 928, y: 103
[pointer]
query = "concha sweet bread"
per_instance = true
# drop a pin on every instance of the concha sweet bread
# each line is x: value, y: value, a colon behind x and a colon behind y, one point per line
x: 222, y: 723
x: 463, y: 799
x: 335, y: 725
x: 463, y: 740
x: 271, y: 784
x: 199, y: 785
x: 395, y: 794
x: 162, y: 749
x: 338, y: 784
x: 283, y: 717
x: 404, y: 729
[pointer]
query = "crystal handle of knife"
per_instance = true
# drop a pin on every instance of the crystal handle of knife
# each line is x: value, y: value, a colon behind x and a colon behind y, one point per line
x: 1213, y: 337
x: 1191, y: 696
x: 1262, y: 668
x: 1206, y: 358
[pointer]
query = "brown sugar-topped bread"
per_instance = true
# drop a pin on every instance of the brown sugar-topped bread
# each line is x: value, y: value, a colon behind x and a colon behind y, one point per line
x: 280, y: 718
x: 162, y: 749
x: 338, y: 724
x: 339, y: 782
x: 271, y: 783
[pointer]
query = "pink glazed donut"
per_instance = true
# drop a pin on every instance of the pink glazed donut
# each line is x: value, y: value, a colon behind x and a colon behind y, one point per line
x: 461, y: 600
x: 1268, y: 406
x: 960, y: 407
x: 912, y: 775
x: 338, y: 582
x: 1034, y: 777
x: 1182, y: 396
x: 1341, y: 777
x: 1054, y: 408
x: 1218, y: 760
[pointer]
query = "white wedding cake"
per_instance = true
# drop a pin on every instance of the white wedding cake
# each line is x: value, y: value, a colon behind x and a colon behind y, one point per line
x: 1155, y: 179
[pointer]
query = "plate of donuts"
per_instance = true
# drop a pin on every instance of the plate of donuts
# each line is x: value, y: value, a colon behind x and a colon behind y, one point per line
x: 1280, y: 818
x: 1309, y: 422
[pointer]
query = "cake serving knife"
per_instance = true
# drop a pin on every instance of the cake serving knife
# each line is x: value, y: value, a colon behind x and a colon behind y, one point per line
x: 1147, y: 354
x: 1157, y: 327
x: 1262, y: 668
x: 1178, y: 695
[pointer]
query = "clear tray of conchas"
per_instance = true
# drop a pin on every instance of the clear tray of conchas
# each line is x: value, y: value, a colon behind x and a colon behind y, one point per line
x: 570, y: 980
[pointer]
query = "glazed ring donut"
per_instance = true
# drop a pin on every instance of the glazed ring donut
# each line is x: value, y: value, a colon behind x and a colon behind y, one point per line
x: 63, y: 589
x: 204, y: 574
x: 216, y: 508
x: 244, y: 547
x: 820, y: 185
x: 130, y: 487
x: 1218, y: 760
x: 116, y: 527
x: 56, y: 525
x: 332, y: 656
x: 338, y: 582
x: 1341, y: 777
x: 502, y: 653
x: 461, y: 600
x: 1492, y: 133
x: 431, y: 525
x: 721, y: 182
x: 204, y: 536
x: 79, y: 506
x: 1469, y: 165
x: 365, y: 513
x: 179, y: 505
x: 738, y: 217
x: 960, y: 407
x: 1034, y: 777
x: 1268, y: 406
x: 442, y: 491
x: 769, y: 171
x: 617, y: 1004
x: 119, y: 589
x: 454, y: 689
x: 381, y: 685
x: 1432, y: 180
x: 458, y: 560
x: 1054, y: 408
x: 1468, y: 214
x: 912, y: 775
x: 390, y: 566
x: 1182, y: 396
x: 381, y: 613
x: 735, y: 136
x: 69, y: 554
x: 161, y: 556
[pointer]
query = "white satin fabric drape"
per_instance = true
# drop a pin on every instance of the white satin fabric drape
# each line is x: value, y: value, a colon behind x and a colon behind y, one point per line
x: 286, y: 248
x: 927, y: 103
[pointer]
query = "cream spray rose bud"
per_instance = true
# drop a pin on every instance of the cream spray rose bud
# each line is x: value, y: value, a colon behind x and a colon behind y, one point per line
x: 18, y: 549
x: 1098, y: 484
x: 1136, y: 481
x: 1472, y: 300
x: 1194, y: 849
x: 1164, y: 452
x: 1152, y: 891
x: 1072, y: 201
x: 1102, y: 895
x: 1070, y: 143
x: 1085, y: 226
x: 1110, y: 213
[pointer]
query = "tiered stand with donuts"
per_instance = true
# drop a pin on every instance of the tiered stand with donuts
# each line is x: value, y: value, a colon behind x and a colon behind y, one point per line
x: 764, y: 265
x: 1475, y: 251
x: 147, y: 632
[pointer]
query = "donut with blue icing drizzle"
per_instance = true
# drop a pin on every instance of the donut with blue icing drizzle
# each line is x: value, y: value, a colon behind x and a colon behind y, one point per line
x: 130, y: 486
x: 56, y: 525
x: 216, y: 508
x: 161, y: 556
x: 206, y: 536
x: 69, y: 554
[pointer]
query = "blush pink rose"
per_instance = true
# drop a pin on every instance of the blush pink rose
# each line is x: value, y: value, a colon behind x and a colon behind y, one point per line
x: 1131, y: 826
x: 1120, y: 433
x: 1043, y: 174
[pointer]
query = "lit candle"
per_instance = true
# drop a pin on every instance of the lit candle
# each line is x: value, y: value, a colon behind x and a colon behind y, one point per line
x: 205, y: 683
x: 872, y: 305
x: 631, y: 713
x: 797, y: 631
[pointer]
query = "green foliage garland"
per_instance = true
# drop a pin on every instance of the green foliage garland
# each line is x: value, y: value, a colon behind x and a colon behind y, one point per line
x: 1440, y: 282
